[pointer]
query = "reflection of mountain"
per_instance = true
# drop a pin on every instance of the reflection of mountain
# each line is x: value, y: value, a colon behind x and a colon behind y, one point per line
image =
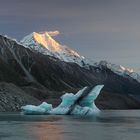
x: 46, y: 72
x: 48, y: 130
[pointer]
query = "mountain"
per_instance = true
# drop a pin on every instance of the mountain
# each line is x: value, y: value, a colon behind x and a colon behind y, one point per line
x: 44, y: 43
x: 44, y: 70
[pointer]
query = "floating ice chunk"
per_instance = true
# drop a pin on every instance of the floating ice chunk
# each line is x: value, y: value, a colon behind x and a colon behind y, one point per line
x: 81, y: 103
x: 82, y: 111
x: 31, y: 109
x: 43, y: 108
x: 86, y: 105
x: 46, y: 106
x: 88, y: 101
x: 68, y: 100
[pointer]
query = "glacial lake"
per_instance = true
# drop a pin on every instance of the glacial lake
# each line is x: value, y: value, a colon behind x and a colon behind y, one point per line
x: 108, y: 125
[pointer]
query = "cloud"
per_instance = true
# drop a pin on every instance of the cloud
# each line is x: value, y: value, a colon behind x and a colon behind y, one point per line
x: 53, y: 33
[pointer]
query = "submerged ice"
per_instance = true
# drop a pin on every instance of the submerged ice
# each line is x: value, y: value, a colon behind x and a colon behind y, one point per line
x: 81, y: 103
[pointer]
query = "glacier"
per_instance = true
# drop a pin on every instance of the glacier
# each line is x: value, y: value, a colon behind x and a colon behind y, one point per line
x: 81, y: 103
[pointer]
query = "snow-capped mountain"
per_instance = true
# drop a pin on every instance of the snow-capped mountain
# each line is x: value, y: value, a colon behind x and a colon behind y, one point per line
x: 42, y: 76
x: 120, y: 70
x: 44, y: 43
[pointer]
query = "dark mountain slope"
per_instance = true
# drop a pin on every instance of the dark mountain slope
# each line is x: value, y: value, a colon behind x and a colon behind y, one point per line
x: 37, y: 72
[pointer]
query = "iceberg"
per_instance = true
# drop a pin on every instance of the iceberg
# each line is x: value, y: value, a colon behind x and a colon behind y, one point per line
x: 81, y: 103
x: 43, y: 108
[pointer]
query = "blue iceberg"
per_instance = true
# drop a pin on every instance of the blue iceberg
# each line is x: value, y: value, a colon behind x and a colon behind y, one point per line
x: 81, y: 103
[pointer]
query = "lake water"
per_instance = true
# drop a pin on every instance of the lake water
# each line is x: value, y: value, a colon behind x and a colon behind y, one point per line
x: 108, y: 125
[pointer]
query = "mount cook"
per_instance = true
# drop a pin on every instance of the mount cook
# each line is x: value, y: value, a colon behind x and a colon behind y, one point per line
x: 42, y: 69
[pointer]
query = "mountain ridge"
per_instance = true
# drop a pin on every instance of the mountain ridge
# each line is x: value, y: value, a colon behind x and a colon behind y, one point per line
x: 46, y: 77
x: 45, y: 44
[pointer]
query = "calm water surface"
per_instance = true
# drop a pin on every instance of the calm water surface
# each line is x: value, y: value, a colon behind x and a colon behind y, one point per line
x: 109, y: 125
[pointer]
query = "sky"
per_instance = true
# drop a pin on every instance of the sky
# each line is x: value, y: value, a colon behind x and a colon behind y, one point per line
x: 97, y: 29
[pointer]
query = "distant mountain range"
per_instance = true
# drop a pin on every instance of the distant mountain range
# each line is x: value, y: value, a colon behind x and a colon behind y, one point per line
x: 44, y: 69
